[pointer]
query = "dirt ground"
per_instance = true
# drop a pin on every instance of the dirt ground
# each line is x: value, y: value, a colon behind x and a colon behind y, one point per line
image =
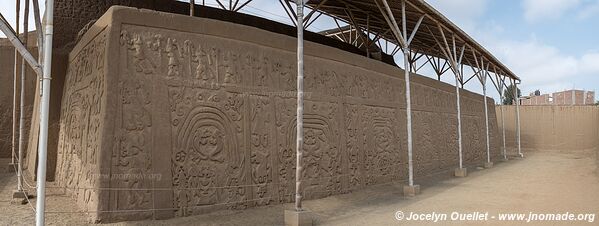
x: 543, y: 182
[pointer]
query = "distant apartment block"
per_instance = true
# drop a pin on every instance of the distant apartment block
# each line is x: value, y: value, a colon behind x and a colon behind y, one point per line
x: 568, y: 97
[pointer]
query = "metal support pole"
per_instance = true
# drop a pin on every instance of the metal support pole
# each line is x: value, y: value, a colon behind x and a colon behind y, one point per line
x: 503, y: 125
x: 484, y: 76
x: 22, y: 104
x: 20, y: 48
x: 516, y: 98
x: 300, y: 104
x: 402, y: 38
x: 457, y: 93
x: 455, y: 62
x: 14, y: 101
x: 406, y: 53
x: 44, y: 110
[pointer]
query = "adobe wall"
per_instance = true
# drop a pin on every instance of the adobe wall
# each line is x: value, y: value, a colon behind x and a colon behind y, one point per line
x: 7, y: 54
x: 189, y: 115
x: 71, y: 19
x: 552, y: 127
x: 7, y: 59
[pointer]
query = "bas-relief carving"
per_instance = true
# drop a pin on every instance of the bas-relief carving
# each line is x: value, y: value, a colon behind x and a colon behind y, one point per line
x: 382, y: 156
x: 205, y: 78
x: 262, y: 144
x: 207, y: 160
x: 206, y: 121
x: 232, y: 134
x: 81, y: 123
x: 133, y: 155
x: 322, y: 155
x: 355, y: 143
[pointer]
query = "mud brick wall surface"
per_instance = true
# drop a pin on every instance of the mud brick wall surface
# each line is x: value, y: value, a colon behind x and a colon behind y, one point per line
x: 72, y: 18
x: 191, y: 115
x: 552, y: 127
x: 7, y: 58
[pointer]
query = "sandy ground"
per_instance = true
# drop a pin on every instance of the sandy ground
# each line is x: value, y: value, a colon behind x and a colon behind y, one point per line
x: 543, y: 182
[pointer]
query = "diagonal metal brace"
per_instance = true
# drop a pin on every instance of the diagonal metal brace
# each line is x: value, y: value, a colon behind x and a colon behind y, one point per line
x: 12, y: 37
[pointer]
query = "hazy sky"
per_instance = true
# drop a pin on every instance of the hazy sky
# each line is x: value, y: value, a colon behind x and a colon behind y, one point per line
x: 551, y: 44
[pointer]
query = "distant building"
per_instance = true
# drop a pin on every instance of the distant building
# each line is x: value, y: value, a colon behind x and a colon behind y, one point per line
x: 568, y: 97
x: 544, y: 99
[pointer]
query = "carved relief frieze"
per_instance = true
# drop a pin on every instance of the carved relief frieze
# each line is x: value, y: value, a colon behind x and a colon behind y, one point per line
x: 207, y: 160
x: 322, y: 156
x: 81, y: 121
x: 382, y: 153
x: 226, y: 108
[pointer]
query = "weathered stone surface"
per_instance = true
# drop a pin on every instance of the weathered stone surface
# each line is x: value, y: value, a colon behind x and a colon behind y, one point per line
x: 191, y: 115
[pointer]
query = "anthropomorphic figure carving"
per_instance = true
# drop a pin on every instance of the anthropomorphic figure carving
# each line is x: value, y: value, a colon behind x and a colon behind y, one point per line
x: 173, y: 62
x: 384, y: 148
x: 203, y: 180
x: 207, y: 145
x: 230, y: 70
x: 204, y: 70
x: 142, y: 64
x: 314, y: 140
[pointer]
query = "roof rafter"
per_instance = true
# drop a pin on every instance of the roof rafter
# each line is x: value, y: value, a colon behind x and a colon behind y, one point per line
x: 367, y: 15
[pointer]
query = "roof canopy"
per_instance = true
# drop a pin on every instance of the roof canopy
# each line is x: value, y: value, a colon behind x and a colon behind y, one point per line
x: 435, y: 36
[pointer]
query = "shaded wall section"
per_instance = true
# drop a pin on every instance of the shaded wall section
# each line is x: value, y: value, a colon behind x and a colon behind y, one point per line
x: 7, y: 59
x: 181, y: 116
x: 553, y: 127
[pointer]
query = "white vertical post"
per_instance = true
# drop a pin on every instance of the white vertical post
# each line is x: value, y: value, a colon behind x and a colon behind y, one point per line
x: 517, y: 99
x: 455, y: 62
x: 484, y: 83
x: 22, y: 104
x: 406, y: 53
x: 300, y: 104
x: 503, y: 125
x: 14, y: 101
x: 404, y: 42
x: 457, y: 93
x: 44, y: 111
